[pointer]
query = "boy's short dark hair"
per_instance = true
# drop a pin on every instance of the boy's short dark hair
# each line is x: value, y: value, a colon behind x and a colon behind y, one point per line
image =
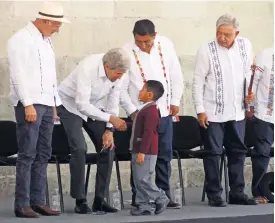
x: 156, y: 88
x: 144, y: 27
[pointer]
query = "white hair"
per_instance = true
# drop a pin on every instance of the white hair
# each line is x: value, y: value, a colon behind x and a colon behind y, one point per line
x: 228, y: 20
x: 117, y: 59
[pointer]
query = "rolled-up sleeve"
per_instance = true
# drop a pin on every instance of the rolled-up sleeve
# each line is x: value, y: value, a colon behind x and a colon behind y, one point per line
x: 202, y: 66
x: 18, y: 54
x: 83, y: 93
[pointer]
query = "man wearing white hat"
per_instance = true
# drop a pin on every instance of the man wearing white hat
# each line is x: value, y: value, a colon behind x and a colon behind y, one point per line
x: 34, y: 96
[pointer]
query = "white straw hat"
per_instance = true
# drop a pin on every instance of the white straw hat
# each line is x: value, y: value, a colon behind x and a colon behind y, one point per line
x: 52, y: 11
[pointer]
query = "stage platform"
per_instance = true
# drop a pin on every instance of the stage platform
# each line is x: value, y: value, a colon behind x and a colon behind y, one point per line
x: 193, y: 212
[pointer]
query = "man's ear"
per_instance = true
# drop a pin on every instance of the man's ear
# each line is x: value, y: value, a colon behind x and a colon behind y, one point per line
x: 237, y: 33
x: 106, y: 66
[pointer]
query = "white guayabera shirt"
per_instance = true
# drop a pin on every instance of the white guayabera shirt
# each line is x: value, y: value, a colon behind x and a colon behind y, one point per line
x: 161, y: 60
x: 83, y: 91
x: 263, y: 85
x: 219, y: 77
x: 32, y: 68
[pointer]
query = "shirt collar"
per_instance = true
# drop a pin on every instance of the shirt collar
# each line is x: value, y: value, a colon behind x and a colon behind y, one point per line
x: 231, y: 48
x: 147, y: 104
x: 137, y: 49
x: 34, y: 31
x: 101, y: 70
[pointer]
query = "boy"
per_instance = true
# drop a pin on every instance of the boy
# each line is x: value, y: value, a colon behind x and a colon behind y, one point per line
x: 144, y: 146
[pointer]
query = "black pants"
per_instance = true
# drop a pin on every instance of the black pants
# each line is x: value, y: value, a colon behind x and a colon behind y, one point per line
x: 95, y: 129
x: 163, y: 165
x: 35, y: 149
x: 264, y: 134
x: 231, y: 136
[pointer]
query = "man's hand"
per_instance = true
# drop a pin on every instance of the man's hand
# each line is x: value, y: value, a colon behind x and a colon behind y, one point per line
x: 55, y: 116
x: 140, y: 158
x: 203, y: 119
x: 30, y: 113
x: 123, y: 127
x: 108, y: 140
x: 133, y: 115
x: 174, y: 110
x: 117, y: 122
x: 249, y: 98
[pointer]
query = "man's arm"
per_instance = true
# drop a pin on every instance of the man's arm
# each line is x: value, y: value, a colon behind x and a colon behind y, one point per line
x: 259, y: 71
x: 176, y: 76
x: 151, y: 121
x: 124, y: 98
x: 18, y: 55
x: 202, y: 66
x: 112, y: 104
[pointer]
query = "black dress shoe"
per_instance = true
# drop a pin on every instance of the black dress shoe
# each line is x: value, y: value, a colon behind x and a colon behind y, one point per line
x: 82, y: 209
x: 173, y: 205
x: 25, y: 212
x: 138, y: 212
x: 101, y: 205
x: 216, y: 202
x: 242, y: 200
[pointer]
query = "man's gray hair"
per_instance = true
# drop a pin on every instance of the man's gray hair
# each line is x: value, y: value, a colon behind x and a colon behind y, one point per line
x: 117, y: 59
x: 228, y: 20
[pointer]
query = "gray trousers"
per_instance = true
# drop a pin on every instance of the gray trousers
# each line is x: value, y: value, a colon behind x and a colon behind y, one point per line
x: 145, y: 189
x: 95, y: 129
x: 34, y: 143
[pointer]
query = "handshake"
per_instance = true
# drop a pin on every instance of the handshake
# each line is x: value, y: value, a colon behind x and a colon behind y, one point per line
x: 118, y: 123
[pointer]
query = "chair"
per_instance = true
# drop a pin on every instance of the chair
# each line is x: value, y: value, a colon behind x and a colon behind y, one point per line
x: 186, y: 137
x: 122, y: 153
x: 8, y: 143
x: 60, y: 155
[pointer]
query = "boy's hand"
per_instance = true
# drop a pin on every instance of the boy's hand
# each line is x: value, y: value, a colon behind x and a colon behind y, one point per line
x: 140, y: 158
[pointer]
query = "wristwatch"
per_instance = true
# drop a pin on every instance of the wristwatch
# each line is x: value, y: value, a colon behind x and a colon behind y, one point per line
x: 112, y: 129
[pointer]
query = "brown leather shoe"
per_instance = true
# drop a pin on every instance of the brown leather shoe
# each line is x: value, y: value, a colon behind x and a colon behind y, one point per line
x: 26, y: 212
x: 45, y: 210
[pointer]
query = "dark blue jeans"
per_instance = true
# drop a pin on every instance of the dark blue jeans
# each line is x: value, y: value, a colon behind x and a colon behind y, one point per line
x: 165, y: 154
x: 231, y: 136
x: 264, y: 133
x: 34, y: 143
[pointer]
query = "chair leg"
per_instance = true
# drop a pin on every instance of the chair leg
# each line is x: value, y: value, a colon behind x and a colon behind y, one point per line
x: 119, y: 183
x: 181, y: 179
x: 47, y: 193
x: 87, y: 178
x: 226, y: 179
x: 60, y: 186
x: 203, y: 190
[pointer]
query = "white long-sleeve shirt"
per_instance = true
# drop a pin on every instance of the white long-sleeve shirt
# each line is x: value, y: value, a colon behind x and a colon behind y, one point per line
x: 219, y: 77
x: 263, y: 85
x: 153, y: 70
x: 32, y: 68
x: 84, y: 90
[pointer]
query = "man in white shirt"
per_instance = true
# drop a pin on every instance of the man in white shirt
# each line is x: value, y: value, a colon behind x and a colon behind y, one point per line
x: 82, y: 94
x: 263, y: 86
x: 34, y: 95
x: 221, y: 68
x: 153, y: 57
